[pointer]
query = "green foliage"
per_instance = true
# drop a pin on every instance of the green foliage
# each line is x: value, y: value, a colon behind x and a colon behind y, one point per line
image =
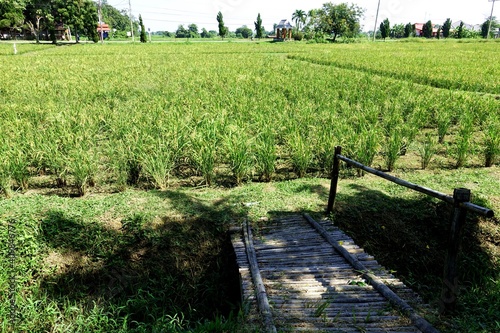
x: 300, y: 17
x: 182, y: 32
x: 460, y: 31
x: 463, y: 145
x: 427, y: 29
x: 398, y: 31
x: 341, y: 19
x: 409, y: 30
x: 385, y: 28
x: 492, y: 140
x: 117, y: 19
x: 446, y: 28
x: 244, y: 32
x: 266, y: 153
x: 223, y: 30
x: 238, y: 147
x: 193, y: 31
x: 488, y: 27
x: 143, y: 37
x: 259, y: 29
x: 427, y: 149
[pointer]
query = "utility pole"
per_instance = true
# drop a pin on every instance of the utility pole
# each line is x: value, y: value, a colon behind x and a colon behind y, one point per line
x: 131, y: 24
x: 376, y: 19
x: 491, y: 17
x: 101, y: 33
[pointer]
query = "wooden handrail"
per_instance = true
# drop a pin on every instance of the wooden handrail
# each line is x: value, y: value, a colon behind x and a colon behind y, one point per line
x: 461, y: 203
x: 446, y: 198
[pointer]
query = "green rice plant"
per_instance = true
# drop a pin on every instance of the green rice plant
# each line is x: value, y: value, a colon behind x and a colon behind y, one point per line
x: 491, y: 141
x: 463, y: 143
x: 367, y: 145
x: 301, y: 153
x: 326, y: 141
x: 426, y: 150
x: 204, y: 150
x: 266, y: 154
x: 394, y: 138
x: 5, y: 178
x: 239, y: 155
x: 82, y: 163
x: 158, y: 162
x: 19, y: 169
x: 392, y: 147
x: 443, y: 119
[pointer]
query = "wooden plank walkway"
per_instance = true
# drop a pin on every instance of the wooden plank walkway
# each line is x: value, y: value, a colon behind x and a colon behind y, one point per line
x: 311, y: 287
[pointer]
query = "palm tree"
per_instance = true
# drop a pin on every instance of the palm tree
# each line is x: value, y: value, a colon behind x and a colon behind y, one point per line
x: 299, y: 16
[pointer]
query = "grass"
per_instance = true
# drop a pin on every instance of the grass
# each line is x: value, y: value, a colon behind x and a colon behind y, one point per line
x: 137, y: 261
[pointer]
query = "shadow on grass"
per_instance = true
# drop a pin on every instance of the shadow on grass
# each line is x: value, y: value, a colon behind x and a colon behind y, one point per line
x: 146, y: 269
x: 410, y: 236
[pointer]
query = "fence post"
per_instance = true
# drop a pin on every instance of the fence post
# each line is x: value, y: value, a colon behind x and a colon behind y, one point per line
x: 335, y: 180
x: 450, y: 279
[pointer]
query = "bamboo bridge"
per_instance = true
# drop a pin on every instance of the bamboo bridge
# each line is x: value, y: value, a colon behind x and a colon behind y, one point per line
x: 300, y: 275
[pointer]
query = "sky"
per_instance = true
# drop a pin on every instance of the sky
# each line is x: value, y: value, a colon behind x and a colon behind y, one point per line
x: 167, y: 15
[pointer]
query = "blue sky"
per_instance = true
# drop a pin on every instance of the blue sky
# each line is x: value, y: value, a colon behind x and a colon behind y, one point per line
x: 168, y: 15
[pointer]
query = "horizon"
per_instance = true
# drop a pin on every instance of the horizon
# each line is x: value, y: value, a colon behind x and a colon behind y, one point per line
x: 168, y: 15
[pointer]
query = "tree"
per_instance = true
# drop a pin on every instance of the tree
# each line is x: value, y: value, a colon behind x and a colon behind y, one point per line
x: 398, y: 31
x: 460, y: 31
x: 115, y: 18
x: 181, y: 32
x: 11, y: 15
x: 486, y: 26
x: 38, y: 17
x: 205, y: 33
x: 299, y: 16
x: 259, y: 29
x: 244, y: 32
x: 427, y: 29
x: 143, y: 30
x: 193, y: 31
x: 222, y: 29
x: 409, y: 29
x: 341, y: 19
x: 446, y: 28
x: 385, y: 28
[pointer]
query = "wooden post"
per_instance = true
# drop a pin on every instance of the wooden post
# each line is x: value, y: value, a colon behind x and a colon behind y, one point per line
x: 335, y: 179
x: 450, y: 279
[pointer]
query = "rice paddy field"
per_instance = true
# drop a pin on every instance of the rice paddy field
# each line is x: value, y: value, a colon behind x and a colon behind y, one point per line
x: 88, y: 133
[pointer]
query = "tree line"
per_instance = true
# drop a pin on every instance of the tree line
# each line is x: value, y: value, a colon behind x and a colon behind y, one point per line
x: 41, y: 18
x: 430, y: 30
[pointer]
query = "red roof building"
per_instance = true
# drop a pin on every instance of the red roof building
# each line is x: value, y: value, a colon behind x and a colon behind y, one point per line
x: 419, y: 30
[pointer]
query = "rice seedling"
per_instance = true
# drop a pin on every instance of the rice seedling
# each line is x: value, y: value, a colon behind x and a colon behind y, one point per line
x: 427, y: 149
x: 239, y: 154
x: 491, y: 141
x: 443, y: 123
x: 392, y: 148
x: 204, y: 152
x: 266, y: 154
x: 301, y: 153
x: 463, y: 144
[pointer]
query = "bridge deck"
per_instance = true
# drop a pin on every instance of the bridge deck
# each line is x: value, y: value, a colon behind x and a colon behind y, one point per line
x: 311, y: 287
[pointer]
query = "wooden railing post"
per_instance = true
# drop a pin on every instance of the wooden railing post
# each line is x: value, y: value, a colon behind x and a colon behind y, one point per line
x: 335, y: 179
x: 450, y: 279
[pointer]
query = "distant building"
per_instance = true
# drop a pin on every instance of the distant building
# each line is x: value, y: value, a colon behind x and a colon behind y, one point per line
x: 283, y: 30
x: 473, y: 27
x: 101, y: 26
x: 419, y: 30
